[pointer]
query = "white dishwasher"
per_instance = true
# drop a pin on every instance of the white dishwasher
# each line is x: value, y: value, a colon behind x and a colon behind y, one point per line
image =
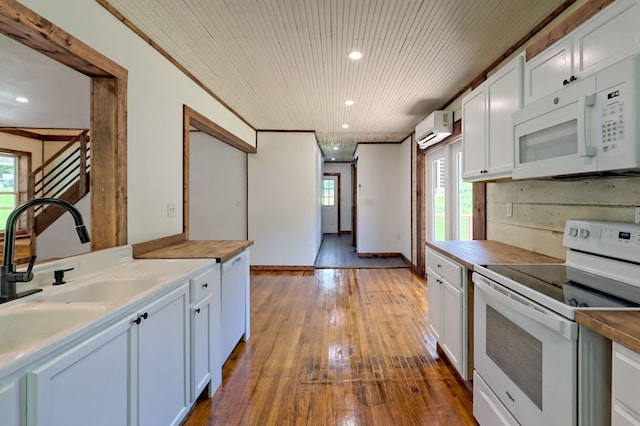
x: 233, y: 300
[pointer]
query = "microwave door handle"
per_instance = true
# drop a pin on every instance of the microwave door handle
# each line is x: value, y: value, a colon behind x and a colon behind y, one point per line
x: 584, y: 149
x: 522, y: 306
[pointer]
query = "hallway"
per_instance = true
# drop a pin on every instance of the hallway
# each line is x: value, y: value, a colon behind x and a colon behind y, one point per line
x: 337, y: 347
x: 337, y: 252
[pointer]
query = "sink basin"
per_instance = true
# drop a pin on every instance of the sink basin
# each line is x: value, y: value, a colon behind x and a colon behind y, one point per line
x: 27, y: 325
x: 104, y: 291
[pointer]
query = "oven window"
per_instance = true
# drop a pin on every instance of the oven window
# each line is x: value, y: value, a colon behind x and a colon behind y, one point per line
x: 517, y: 353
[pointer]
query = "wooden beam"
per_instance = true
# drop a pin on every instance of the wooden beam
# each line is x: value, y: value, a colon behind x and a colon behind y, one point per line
x: 27, y: 27
x: 204, y: 124
x: 421, y: 218
x: 109, y: 172
x: 479, y: 210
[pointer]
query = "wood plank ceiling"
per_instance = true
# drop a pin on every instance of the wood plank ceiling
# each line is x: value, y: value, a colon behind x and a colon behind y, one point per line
x: 283, y: 65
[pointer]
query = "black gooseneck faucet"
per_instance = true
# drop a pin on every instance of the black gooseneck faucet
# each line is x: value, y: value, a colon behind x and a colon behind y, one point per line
x: 8, y: 275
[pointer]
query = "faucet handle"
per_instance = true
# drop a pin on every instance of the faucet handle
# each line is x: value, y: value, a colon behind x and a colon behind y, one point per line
x: 26, y: 275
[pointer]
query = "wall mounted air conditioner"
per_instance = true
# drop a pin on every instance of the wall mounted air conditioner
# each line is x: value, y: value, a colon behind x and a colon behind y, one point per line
x: 434, y: 128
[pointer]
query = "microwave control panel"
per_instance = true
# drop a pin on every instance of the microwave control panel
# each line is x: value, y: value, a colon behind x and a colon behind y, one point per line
x: 611, y: 110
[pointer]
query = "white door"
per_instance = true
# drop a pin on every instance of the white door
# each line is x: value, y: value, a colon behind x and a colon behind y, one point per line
x: 330, y: 202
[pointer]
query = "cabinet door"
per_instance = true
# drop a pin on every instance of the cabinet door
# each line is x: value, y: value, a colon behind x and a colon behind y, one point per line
x: 608, y: 37
x: 625, y: 404
x: 233, y: 304
x: 88, y: 384
x: 504, y: 97
x: 163, y: 356
x: 452, y: 341
x: 201, y: 357
x: 10, y: 404
x: 474, y: 134
x: 434, y: 299
x: 546, y: 72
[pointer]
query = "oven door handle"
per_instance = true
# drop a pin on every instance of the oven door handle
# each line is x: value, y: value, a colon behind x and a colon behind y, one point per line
x: 525, y: 307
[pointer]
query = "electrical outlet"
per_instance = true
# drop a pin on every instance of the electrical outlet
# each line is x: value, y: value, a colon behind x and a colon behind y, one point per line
x: 171, y: 210
x: 509, y: 209
x: 637, y: 219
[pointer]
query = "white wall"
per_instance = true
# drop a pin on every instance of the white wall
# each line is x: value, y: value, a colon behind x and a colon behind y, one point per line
x: 19, y: 143
x: 285, y: 176
x: 345, y: 192
x: 157, y: 91
x: 384, y: 186
x: 217, y: 190
x: 60, y: 239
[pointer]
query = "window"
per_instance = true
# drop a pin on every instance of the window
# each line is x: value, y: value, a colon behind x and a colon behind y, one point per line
x: 9, y: 194
x: 449, y: 200
x: 328, y: 192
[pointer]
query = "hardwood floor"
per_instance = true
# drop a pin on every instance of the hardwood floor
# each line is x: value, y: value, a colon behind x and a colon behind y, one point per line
x: 337, y: 252
x: 338, y: 347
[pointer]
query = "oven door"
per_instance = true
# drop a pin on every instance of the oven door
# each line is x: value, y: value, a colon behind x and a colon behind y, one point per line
x: 526, y: 354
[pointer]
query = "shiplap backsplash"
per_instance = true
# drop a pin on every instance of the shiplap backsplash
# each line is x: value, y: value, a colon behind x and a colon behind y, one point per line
x: 541, y: 207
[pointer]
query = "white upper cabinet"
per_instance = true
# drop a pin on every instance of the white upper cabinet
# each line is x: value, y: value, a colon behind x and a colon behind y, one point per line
x: 607, y: 38
x: 549, y: 71
x: 487, y: 126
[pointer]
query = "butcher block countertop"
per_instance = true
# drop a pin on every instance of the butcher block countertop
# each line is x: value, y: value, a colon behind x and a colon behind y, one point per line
x: 620, y: 326
x: 222, y: 250
x: 478, y: 252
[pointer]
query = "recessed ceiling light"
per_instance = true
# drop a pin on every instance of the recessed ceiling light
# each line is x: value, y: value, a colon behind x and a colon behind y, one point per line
x: 355, y: 55
x: 335, y: 148
x: 348, y: 102
x: 345, y: 126
x: 333, y: 159
x: 22, y: 99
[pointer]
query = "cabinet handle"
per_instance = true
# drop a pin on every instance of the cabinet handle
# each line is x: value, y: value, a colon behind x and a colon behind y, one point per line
x: 236, y: 261
x: 138, y: 320
x: 439, y: 265
x: 198, y: 311
x: 145, y: 315
x: 205, y: 285
x: 573, y: 78
x: 565, y: 82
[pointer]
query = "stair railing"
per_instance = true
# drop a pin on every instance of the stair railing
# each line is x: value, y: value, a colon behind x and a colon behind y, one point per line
x: 69, y: 165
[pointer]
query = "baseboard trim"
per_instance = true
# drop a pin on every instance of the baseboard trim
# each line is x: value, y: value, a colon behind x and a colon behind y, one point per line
x: 381, y: 255
x: 266, y: 268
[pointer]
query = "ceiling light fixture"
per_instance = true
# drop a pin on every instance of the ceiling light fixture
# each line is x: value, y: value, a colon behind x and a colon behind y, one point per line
x: 355, y: 55
x: 345, y: 126
x: 335, y: 148
x: 22, y: 99
x: 333, y: 159
x: 348, y: 102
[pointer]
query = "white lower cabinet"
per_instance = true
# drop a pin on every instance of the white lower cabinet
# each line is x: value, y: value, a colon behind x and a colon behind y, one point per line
x: 10, y: 407
x: 447, y: 308
x: 234, y: 317
x: 625, y: 403
x: 134, y: 372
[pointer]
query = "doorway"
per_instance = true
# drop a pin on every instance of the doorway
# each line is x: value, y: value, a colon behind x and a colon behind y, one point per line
x: 331, y: 203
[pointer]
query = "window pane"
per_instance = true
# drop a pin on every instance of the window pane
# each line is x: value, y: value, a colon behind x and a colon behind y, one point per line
x: 465, y: 204
x: 328, y: 192
x: 439, y: 199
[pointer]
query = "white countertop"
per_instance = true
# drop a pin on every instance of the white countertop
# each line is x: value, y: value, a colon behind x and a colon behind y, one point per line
x: 63, y: 315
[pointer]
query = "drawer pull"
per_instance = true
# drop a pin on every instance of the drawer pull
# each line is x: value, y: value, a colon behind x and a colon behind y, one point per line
x: 439, y: 265
x: 236, y: 261
x: 205, y: 285
x: 197, y: 310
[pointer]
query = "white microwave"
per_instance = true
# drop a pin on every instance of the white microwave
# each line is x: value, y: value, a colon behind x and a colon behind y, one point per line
x: 587, y: 128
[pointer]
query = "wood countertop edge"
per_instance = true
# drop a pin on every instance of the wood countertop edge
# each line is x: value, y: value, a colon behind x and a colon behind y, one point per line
x: 621, y: 326
x: 180, y: 249
x: 517, y: 255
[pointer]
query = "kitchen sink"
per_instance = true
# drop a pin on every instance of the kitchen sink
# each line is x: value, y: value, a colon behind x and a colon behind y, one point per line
x: 105, y: 290
x: 27, y: 325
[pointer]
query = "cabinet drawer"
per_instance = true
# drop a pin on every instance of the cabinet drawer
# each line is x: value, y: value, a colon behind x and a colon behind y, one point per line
x: 450, y: 271
x: 201, y: 285
x: 626, y: 376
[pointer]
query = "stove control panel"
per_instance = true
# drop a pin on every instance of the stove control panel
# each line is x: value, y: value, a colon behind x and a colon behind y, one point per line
x: 615, y: 239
